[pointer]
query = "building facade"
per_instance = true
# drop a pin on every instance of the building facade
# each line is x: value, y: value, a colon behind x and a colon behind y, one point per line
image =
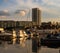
x: 11, y: 23
x: 36, y: 16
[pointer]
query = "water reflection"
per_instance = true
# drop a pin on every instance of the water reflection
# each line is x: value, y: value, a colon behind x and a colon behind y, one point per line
x: 15, y: 41
x: 14, y: 33
x: 19, y: 37
x: 18, y: 44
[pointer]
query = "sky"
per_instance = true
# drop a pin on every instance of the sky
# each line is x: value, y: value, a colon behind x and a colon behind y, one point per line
x: 11, y: 10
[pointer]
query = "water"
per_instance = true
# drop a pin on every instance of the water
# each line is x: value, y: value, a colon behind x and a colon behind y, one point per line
x: 21, y: 45
x: 17, y: 45
x: 17, y: 48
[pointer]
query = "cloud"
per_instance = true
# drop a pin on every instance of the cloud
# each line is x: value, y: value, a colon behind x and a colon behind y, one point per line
x: 2, y: 16
x: 28, y: 3
x: 36, y: 3
x: 52, y: 2
x: 51, y: 19
x: 5, y: 4
x: 4, y: 13
x: 26, y: 11
x: 49, y: 7
x: 10, y: 4
x: 5, y: 0
x: 21, y: 12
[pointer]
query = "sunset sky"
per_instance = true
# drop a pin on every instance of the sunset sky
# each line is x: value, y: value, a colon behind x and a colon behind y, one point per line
x: 11, y: 9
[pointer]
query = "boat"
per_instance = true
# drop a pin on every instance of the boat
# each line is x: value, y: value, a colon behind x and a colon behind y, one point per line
x: 4, y: 36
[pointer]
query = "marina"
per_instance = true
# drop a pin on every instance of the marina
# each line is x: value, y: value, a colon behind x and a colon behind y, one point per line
x: 20, y: 43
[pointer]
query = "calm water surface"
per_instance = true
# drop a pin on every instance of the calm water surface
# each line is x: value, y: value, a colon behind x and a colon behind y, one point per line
x: 21, y: 45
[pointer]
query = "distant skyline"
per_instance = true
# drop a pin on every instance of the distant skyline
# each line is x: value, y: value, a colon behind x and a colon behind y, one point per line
x: 50, y: 9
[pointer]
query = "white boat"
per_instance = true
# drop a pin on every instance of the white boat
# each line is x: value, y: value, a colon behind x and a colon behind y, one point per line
x: 4, y: 36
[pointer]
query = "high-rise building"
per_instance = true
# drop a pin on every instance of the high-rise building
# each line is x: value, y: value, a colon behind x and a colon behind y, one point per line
x: 36, y: 16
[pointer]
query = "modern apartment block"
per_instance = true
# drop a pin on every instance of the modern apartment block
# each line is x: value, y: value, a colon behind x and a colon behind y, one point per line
x: 36, y: 16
